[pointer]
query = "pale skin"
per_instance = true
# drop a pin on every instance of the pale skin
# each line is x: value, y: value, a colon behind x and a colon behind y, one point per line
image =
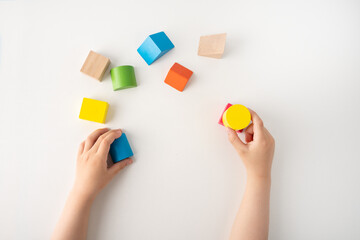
x: 93, y: 174
x: 252, y: 219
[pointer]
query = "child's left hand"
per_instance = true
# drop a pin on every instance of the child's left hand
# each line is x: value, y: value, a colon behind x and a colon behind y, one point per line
x: 92, y: 171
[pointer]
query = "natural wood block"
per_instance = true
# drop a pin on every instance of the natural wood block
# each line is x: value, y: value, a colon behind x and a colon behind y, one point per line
x: 95, y: 65
x: 212, y: 45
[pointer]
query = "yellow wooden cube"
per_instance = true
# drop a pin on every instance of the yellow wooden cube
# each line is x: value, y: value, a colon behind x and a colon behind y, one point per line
x: 93, y: 110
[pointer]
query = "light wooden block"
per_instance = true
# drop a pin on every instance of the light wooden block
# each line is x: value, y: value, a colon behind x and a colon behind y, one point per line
x: 212, y: 45
x: 95, y: 65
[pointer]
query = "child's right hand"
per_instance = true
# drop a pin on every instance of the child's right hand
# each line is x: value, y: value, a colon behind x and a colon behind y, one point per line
x: 258, y: 151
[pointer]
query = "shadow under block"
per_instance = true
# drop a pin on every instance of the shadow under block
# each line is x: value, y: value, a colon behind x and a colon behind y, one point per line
x: 221, y: 118
x: 120, y: 149
x: 123, y: 77
x: 178, y: 76
x: 95, y: 65
x: 236, y: 117
x: 212, y: 45
x: 155, y: 46
x: 93, y: 110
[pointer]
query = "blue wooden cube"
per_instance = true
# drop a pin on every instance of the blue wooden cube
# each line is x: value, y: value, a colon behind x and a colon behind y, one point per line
x: 154, y: 47
x: 120, y: 149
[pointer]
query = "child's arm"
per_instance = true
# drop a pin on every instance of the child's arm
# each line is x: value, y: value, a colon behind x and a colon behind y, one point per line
x: 92, y: 174
x: 252, y: 219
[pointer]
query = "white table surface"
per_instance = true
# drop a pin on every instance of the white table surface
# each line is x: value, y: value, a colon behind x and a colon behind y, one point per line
x: 295, y: 62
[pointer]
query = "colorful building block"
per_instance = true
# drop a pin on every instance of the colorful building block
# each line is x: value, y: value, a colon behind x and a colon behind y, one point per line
x: 178, y: 76
x: 123, y: 77
x: 212, y: 45
x: 95, y: 65
x: 155, y: 46
x: 120, y: 149
x: 236, y: 117
x: 93, y: 110
x: 221, y: 118
x: 226, y: 108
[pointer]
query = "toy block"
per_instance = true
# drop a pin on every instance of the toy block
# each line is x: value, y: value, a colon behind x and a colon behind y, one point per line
x: 221, y: 121
x: 178, y: 76
x: 226, y: 108
x: 236, y: 117
x: 95, y: 65
x: 212, y: 45
x: 155, y: 46
x: 123, y: 77
x: 120, y: 149
x: 93, y: 110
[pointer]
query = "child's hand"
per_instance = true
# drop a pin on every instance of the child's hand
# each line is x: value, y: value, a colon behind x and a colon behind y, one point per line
x: 92, y: 171
x: 257, y: 154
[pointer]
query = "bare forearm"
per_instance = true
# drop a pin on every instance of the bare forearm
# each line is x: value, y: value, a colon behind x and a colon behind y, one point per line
x: 252, y: 219
x: 92, y: 174
x: 74, y: 220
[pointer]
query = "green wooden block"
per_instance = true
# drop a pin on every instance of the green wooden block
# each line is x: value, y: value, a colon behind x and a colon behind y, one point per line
x: 123, y: 77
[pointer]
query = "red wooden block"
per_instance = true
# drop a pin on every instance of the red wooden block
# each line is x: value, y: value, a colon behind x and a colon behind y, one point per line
x: 220, y: 120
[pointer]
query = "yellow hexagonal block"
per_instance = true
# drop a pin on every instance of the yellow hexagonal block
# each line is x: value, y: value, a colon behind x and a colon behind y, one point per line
x: 93, y: 110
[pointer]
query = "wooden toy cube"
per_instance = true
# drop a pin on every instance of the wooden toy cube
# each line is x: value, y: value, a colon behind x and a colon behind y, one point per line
x: 93, y: 110
x: 120, y: 149
x: 95, y: 65
x: 178, y: 76
x: 212, y: 45
x: 155, y: 46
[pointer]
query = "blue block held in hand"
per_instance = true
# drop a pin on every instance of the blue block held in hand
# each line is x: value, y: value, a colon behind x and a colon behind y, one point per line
x: 120, y: 149
x: 155, y: 46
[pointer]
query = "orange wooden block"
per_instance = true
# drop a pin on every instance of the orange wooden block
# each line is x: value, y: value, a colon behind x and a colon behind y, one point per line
x: 178, y: 76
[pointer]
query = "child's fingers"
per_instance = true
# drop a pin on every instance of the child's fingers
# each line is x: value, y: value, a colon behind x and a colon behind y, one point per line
x: 235, y: 140
x: 81, y: 148
x: 257, y: 123
x: 102, y: 146
x: 249, y: 133
x: 91, y: 139
x: 117, y: 167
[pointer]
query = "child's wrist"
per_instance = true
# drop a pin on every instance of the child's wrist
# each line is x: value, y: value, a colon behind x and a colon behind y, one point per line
x: 83, y: 195
x: 259, y: 177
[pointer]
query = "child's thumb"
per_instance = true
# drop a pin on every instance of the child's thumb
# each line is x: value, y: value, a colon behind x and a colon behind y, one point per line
x: 236, y: 141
